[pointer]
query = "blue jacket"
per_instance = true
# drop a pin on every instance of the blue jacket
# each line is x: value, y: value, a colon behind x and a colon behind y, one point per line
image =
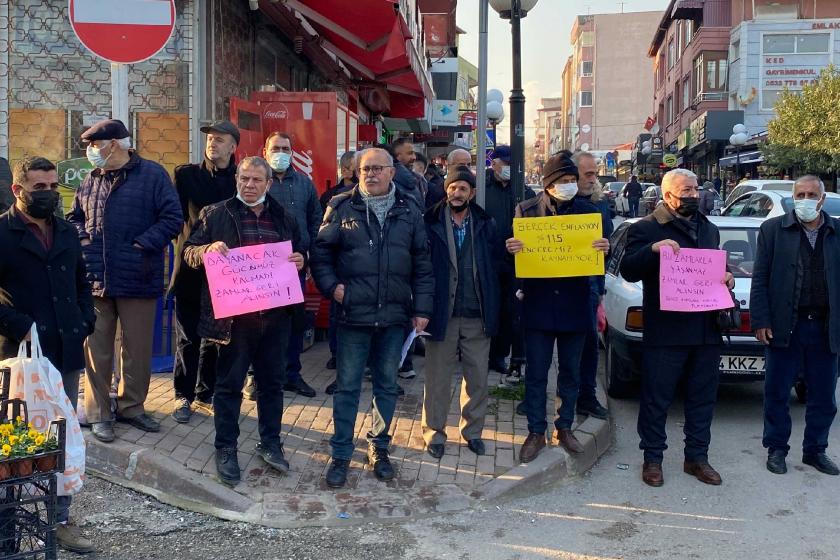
x: 444, y: 262
x: 296, y: 193
x: 113, y: 210
x: 598, y: 284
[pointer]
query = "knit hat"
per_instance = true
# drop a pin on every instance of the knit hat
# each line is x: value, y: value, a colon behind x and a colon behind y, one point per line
x: 558, y: 165
x: 460, y: 173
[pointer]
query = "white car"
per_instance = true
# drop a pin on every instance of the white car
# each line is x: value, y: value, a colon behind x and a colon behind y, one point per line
x: 752, y: 185
x: 742, y: 356
x: 622, y: 204
x: 769, y: 204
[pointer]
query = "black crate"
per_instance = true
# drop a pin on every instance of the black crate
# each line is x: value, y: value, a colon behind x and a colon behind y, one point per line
x: 27, y: 517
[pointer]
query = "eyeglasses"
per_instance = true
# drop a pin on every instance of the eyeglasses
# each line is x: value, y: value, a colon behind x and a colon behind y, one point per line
x: 373, y: 169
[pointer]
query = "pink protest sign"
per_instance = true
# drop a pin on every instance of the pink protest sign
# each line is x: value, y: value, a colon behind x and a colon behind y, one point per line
x: 253, y: 278
x: 691, y: 280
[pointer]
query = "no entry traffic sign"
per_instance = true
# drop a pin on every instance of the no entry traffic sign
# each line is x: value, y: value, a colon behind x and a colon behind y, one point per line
x: 123, y: 31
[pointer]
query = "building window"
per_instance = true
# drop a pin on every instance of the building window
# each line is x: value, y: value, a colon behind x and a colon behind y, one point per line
x: 586, y: 99
x: 769, y: 98
x: 679, y: 37
x: 709, y: 73
x: 669, y: 110
x: 736, y: 50
x: 677, y: 99
x: 796, y: 44
x: 671, y: 54
x: 715, y: 74
x: 686, y: 92
x: 689, y: 31
x: 586, y: 68
x: 697, y: 82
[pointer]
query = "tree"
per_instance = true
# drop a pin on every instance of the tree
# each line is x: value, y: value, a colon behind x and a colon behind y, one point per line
x: 805, y: 134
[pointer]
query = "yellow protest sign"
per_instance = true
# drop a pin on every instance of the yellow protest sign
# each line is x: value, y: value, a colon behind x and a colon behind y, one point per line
x: 558, y: 246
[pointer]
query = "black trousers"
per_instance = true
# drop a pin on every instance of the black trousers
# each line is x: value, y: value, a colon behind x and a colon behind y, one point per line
x: 664, y: 368
x: 510, y: 339
x: 194, y: 371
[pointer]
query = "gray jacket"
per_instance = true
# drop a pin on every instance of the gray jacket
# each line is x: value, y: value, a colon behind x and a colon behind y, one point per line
x: 296, y: 193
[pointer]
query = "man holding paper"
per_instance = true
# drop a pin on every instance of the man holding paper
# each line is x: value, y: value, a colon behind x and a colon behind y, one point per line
x: 259, y: 337
x: 677, y: 344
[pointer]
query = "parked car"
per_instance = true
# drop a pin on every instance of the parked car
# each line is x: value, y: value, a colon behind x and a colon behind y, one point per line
x: 752, y: 185
x: 622, y: 204
x: 768, y: 204
x: 611, y: 191
x: 604, y: 179
x: 742, y: 358
x: 650, y: 199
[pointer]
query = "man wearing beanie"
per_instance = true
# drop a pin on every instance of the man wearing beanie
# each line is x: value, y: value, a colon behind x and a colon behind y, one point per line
x: 462, y: 238
x: 554, y: 310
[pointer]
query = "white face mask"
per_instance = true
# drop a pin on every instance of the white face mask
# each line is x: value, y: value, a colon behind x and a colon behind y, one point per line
x: 505, y: 174
x: 94, y: 156
x: 806, y: 209
x: 279, y: 161
x: 257, y: 202
x: 564, y: 191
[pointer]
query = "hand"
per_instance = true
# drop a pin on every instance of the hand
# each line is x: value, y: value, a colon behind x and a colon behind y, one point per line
x: 520, y: 295
x: 729, y: 280
x: 764, y: 336
x: 86, y: 241
x: 420, y: 323
x: 514, y: 245
x: 338, y: 293
x: 296, y: 258
x: 602, y: 245
x: 137, y: 246
x: 218, y: 247
x: 669, y: 242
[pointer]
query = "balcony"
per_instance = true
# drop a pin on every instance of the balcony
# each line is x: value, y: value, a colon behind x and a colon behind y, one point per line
x: 709, y: 96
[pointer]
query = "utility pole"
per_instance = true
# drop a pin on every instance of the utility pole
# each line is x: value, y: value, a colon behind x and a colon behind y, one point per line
x: 481, y: 124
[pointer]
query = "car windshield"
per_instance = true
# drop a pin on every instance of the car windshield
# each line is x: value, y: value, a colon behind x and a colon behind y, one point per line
x: 831, y: 206
x: 780, y: 186
x: 740, y: 245
x: 615, y: 187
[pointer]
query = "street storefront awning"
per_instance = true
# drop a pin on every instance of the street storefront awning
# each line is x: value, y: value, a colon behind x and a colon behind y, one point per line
x: 744, y: 158
x: 372, y: 38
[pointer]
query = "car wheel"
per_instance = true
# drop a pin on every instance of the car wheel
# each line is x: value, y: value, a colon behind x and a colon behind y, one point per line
x: 615, y: 386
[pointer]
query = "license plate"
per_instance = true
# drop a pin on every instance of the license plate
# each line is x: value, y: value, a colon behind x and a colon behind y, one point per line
x: 742, y: 364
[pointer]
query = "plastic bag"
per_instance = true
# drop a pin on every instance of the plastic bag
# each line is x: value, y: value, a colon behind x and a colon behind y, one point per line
x: 38, y: 382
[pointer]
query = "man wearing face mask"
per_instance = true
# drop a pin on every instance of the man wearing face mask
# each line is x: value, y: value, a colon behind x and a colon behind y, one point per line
x: 198, y: 185
x: 43, y: 274
x: 795, y: 306
x: 465, y: 257
x: 678, y: 346
x: 126, y: 212
x: 555, y: 310
x: 296, y: 193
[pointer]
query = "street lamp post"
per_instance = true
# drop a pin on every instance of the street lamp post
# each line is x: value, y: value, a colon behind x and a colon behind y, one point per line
x: 738, y: 139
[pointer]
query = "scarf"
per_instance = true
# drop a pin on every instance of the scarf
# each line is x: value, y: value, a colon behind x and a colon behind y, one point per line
x: 379, y: 205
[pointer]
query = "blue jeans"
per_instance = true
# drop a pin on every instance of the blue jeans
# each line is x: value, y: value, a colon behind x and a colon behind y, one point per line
x: 633, y: 203
x: 355, y: 345
x: 809, y: 353
x: 589, y: 364
x: 293, y: 365
x: 539, y: 351
x: 335, y: 308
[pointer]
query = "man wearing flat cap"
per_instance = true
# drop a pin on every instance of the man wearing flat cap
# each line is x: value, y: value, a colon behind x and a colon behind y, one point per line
x: 465, y: 257
x: 198, y: 185
x: 126, y: 212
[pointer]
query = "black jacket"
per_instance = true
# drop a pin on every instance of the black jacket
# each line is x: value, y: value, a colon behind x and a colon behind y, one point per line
x: 640, y: 263
x: 445, y: 263
x: 387, y: 274
x: 776, y: 282
x: 633, y: 189
x: 198, y: 185
x: 409, y: 184
x: 435, y: 191
x: 339, y: 188
x: 221, y: 222
x: 48, y: 288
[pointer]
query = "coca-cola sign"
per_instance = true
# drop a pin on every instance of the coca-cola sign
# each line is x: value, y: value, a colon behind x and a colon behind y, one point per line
x: 277, y: 111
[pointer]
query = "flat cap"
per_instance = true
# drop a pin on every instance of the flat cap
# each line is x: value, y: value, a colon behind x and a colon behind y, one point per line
x: 109, y: 129
x: 222, y: 127
x: 558, y: 165
x: 460, y: 173
x: 502, y: 152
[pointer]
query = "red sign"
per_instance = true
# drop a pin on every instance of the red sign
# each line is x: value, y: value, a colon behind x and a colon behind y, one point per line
x: 469, y: 118
x: 123, y: 31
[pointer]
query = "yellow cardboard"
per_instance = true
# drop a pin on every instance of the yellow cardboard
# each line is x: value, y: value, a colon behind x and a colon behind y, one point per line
x: 559, y: 246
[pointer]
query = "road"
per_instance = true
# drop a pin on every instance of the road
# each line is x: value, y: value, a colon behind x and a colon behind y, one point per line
x: 607, y: 513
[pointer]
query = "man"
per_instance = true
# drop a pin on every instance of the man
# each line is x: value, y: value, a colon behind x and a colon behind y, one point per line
x: 434, y: 182
x: 555, y: 310
x: 717, y: 183
x: 43, y: 274
x: 371, y: 256
x: 795, y: 306
x: 126, y: 212
x: 402, y: 151
x: 198, y: 185
x: 296, y: 193
x: 678, y: 346
x: 465, y: 258
x: 457, y: 158
x: 707, y: 198
x: 259, y: 338
x: 633, y: 191
x: 7, y: 198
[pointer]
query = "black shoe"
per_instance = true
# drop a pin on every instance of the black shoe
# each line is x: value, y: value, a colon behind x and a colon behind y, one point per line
x: 337, y: 473
x: 368, y: 374
x: 593, y: 409
x: 436, y: 450
x: 182, y: 412
x: 103, y: 431
x: 273, y: 455
x: 821, y: 462
x: 300, y: 387
x: 330, y: 390
x: 498, y: 365
x: 250, y: 389
x: 521, y: 410
x: 776, y: 462
x: 406, y: 371
x: 142, y: 422
x: 476, y: 446
x: 400, y: 391
x: 331, y: 363
x: 378, y: 458
x: 227, y: 465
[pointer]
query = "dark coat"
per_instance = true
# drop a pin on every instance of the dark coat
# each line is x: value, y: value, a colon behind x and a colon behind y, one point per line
x: 557, y: 304
x: 603, y: 206
x: 296, y: 193
x: 435, y: 191
x: 221, y: 222
x: 48, y: 288
x: 409, y: 184
x: 633, y: 189
x: 776, y: 281
x: 500, y: 204
x: 387, y: 273
x: 339, y: 188
x: 116, y: 209
x: 445, y: 263
x: 640, y: 263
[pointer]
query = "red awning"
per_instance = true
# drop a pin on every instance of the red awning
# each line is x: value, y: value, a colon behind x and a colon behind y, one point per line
x: 372, y: 39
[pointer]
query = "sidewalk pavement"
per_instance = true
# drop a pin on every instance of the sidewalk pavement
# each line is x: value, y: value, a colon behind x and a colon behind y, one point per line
x: 176, y: 465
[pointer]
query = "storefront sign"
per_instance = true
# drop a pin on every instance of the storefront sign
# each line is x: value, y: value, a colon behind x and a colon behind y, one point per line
x: 795, y: 69
x: 559, y: 246
x: 445, y: 113
x: 697, y: 130
x: 684, y: 139
x: 691, y: 280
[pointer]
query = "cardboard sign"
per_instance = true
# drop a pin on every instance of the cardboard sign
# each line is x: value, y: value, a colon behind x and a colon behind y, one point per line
x: 559, y: 246
x: 253, y: 278
x: 691, y: 280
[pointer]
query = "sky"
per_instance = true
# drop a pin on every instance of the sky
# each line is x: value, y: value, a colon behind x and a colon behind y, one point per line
x: 546, y: 33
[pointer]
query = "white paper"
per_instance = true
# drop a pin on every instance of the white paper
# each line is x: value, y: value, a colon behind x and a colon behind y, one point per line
x: 407, y: 344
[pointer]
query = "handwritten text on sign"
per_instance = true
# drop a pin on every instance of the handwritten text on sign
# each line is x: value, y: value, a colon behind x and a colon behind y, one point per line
x: 253, y: 278
x: 558, y: 246
x: 692, y: 280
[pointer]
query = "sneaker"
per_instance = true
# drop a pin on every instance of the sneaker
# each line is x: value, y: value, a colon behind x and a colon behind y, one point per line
x: 227, y: 466
x: 378, y: 458
x: 273, y: 455
x: 250, y: 389
x: 182, y: 412
x: 331, y: 363
x: 406, y: 371
x: 70, y: 538
x: 337, y: 473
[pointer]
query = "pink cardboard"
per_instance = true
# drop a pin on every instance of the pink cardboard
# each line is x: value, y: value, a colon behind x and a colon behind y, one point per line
x: 252, y: 278
x: 691, y: 280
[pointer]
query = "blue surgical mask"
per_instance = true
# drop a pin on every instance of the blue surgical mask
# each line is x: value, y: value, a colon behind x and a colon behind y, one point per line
x: 94, y: 156
x: 505, y: 174
x: 806, y: 209
x: 279, y: 161
x: 259, y: 201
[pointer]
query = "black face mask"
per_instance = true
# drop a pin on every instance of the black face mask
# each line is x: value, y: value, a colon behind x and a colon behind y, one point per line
x: 458, y: 209
x: 40, y: 204
x: 688, y: 206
